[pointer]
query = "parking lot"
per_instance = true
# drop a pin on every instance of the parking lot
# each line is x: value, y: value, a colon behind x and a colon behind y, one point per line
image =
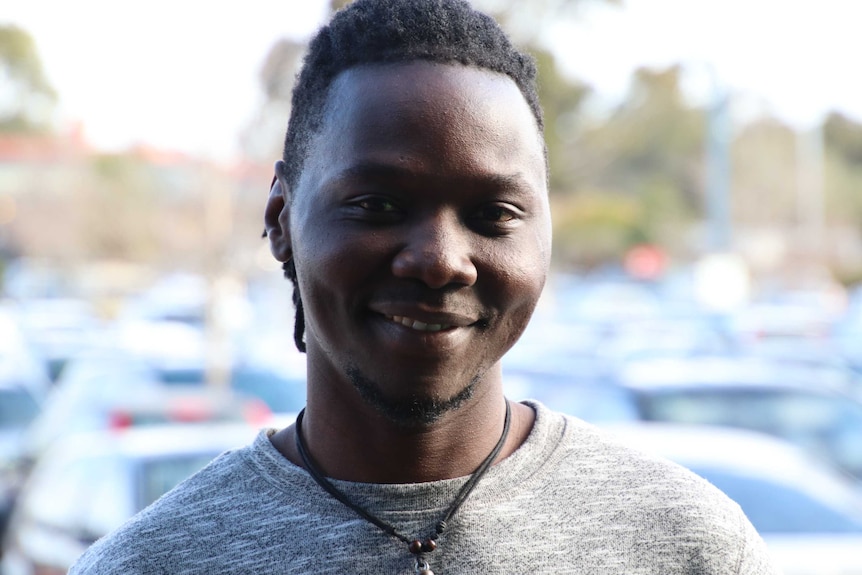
x: 762, y: 399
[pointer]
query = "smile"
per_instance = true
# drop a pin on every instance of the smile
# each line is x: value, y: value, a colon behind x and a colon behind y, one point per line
x: 418, y: 325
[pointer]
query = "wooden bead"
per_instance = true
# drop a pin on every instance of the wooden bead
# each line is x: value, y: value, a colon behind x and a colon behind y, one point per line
x: 429, y: 545
x: 415, y: 547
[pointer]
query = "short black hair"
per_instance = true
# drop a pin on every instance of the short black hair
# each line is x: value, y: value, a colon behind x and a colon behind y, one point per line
x: 388, y: 31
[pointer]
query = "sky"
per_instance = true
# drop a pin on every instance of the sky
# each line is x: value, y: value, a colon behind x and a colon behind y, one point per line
x: 178, y: 74
x: 182, y: 74
x: 795, y: 59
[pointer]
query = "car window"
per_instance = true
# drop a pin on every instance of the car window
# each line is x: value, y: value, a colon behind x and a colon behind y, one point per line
x: 185, y: 376
x: 775, y: 508
x: 17, y: 408
x: 158, y: 476
x: 593, y: 403
x: 281, y: 395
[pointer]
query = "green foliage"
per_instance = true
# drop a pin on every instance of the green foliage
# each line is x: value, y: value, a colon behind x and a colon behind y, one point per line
x: 647, y: 160
x: 562, y: 100
x: 595, y: 226
x: 843, y: 182
x: 26, y: 97
x: 843, y: 137
x: 653, y: 134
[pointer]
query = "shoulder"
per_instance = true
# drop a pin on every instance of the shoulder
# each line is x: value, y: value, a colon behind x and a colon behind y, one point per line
x: 618, y: 470
x: 601, y: 473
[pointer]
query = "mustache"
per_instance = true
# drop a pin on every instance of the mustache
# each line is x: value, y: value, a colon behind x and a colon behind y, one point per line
x: 450, y: 299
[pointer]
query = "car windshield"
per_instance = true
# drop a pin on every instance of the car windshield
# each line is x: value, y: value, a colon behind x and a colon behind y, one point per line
x: 775, y: 508
x: 281, y: 394
x: 17, y: 408
x: 158, y: 476
x: 591, y: 401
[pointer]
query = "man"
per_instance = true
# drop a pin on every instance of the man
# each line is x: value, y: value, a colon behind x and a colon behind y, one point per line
x: 411, y: 213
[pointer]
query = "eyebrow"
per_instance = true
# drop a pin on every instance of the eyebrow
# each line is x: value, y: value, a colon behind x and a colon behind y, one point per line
x: 375, y: 171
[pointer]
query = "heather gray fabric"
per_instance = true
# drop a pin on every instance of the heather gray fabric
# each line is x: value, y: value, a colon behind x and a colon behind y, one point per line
x: 570, y: 500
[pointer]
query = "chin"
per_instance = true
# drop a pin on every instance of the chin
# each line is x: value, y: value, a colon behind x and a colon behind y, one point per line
x: 411, y: 411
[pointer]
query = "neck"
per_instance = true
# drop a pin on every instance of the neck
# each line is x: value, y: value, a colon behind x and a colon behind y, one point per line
x: 366, y: 447
x: 370, y: 448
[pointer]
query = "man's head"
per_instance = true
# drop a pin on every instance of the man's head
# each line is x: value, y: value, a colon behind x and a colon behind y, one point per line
x: 411, y: 208
x: 378, y: 31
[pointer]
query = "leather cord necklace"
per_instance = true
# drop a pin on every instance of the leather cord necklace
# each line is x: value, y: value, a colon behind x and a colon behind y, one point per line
x: 416, y: 546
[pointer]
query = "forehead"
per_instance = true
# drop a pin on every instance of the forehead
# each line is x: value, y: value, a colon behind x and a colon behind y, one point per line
x: 420, y: 113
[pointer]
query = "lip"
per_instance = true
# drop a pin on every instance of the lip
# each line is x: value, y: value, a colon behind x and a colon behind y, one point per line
x: 420, y: 317
x: 416, y: 330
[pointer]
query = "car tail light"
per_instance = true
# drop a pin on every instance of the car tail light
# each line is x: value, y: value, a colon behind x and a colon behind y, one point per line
x: 47, y: 570
x: 190, y: 410
x: 118, y: 420
x: 256, y: 412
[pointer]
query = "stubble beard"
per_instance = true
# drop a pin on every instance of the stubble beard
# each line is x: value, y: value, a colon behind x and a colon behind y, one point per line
x: 409, y: 412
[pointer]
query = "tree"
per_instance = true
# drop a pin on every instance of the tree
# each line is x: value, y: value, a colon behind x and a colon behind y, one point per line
x: 26, y: 98
x: 263, y: 137
x: 636, y: 175
x: 842, y: 138
x: 765, y: 175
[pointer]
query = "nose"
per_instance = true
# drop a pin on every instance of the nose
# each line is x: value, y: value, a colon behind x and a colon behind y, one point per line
x: 437, y: 252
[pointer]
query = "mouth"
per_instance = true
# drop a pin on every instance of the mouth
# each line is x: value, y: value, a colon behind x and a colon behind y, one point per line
x: 417, y: 325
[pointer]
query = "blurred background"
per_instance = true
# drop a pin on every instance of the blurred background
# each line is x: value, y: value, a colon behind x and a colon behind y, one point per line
x: 705, y: 302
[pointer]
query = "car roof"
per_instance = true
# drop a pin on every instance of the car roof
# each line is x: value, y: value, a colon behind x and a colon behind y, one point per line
x: 718, y: 372
x: 738, y: 451
x: 155, y: 441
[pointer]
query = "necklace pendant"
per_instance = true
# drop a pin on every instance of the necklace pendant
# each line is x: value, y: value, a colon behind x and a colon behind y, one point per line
x: 422, y: 567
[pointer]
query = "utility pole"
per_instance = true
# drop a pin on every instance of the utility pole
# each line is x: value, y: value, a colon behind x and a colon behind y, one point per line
x: 810, y: 209
x: 718, y: 170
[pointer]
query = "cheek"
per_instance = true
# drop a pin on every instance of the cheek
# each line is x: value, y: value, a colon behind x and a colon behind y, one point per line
x: 516, y: 280
x: 333, y: 265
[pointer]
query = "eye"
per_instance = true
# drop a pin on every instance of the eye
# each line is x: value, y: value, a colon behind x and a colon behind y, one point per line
x: 496, y: 213
x: 497, y: 219
x: 374, y: 209
x: 376, y: 204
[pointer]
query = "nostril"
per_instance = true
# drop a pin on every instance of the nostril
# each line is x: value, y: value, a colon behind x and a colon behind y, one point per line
x: 435, y: 268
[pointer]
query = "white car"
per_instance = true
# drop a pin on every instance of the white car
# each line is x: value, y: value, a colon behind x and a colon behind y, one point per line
x: 809, y: 514
x: 104, y: 479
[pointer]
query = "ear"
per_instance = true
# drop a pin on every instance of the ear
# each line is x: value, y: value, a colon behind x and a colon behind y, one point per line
x: 277, y: 216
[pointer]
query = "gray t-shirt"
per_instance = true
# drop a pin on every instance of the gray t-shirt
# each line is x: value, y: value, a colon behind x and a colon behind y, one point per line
x: 569, y: 500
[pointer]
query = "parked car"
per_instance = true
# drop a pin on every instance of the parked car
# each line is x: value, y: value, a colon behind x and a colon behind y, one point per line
x: 97, y: 388
x: 764, y: 396
x: 752, y: 393
x: 24, y: 382
x: 19, y: 405
x: 58, y: 328
x: 18, y: 361
x: 281, y: 391
x: 123, y: 406
x: 89, y: 484
x: 809, y: 515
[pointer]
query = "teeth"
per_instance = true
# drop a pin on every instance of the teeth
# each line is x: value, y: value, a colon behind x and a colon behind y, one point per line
x: 418, y: 325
